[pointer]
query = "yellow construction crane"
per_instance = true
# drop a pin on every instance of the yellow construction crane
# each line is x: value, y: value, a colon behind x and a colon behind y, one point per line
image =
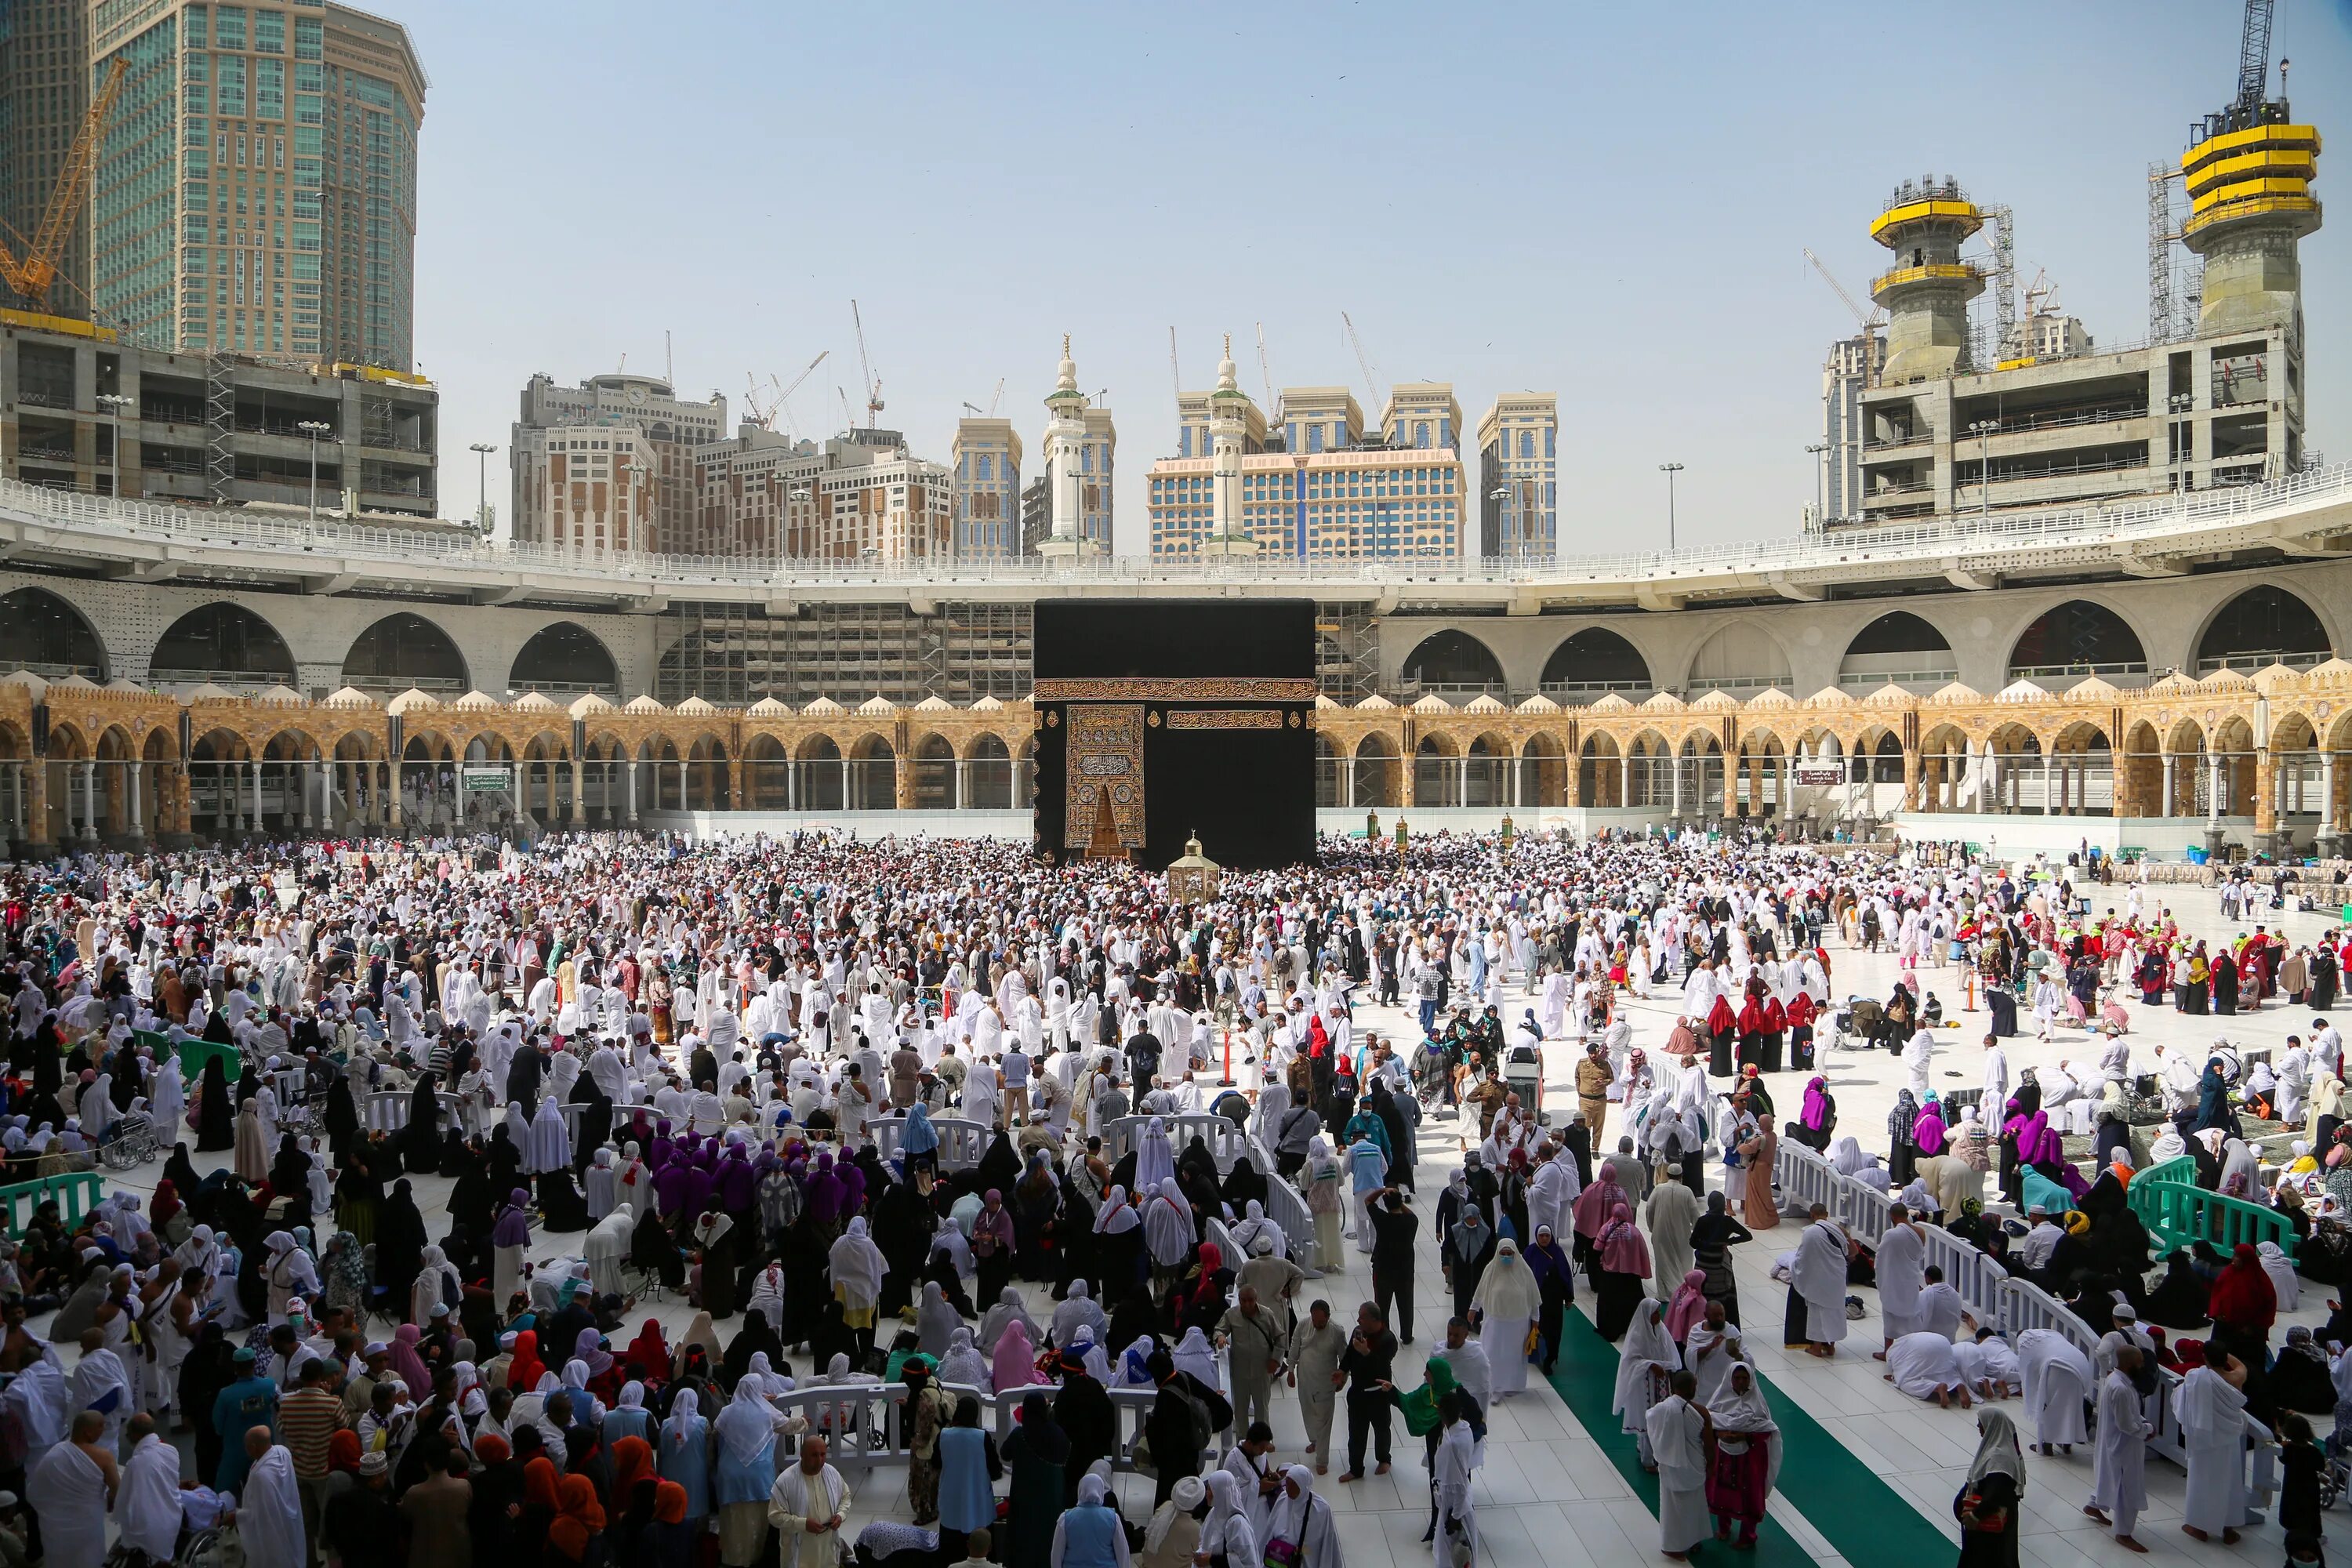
x: 31, y: 277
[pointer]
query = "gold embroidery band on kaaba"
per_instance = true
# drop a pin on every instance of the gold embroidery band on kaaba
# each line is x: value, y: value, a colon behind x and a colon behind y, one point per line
x: 1202, y: 688
x: 1225, y: 718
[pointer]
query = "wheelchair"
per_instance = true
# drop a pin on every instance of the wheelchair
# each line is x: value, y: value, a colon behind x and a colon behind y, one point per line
x: 132, y: 1141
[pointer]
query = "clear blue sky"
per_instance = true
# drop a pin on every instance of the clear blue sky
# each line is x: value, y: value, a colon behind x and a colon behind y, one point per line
x: 1608, y: 204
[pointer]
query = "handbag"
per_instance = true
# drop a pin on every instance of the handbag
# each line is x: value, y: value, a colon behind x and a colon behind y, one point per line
x: 1281, y: 1554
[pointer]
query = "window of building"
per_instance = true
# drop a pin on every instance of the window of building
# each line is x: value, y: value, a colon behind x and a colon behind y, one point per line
x: 1421, y: 432
x: 1314, y: 437
x: 1552, y: 435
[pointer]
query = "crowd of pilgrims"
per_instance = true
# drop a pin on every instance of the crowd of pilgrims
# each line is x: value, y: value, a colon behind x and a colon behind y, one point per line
x: 730, y: 1024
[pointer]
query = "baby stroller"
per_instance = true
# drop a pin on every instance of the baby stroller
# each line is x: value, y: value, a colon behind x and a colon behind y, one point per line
x: 132, y: 1141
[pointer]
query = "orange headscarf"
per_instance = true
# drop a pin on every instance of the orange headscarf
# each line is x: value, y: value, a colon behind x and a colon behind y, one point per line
x: 580, y: 1516
x: 538, y: 1483
x: 669, y: 1504
x: 522, y: 1373
x: 343, y: 1451
x: 633, y: 1461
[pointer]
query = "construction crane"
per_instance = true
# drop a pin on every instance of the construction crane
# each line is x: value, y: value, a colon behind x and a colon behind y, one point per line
x: 996, y: 397
x: 31, y: 276
x: 848, y: 420
x: 1174, y: 375
x: 1363, y: 361
x: 1264, y: 374
x: 765, y: 418
x: 871, y: 383
x: 1869, y: 322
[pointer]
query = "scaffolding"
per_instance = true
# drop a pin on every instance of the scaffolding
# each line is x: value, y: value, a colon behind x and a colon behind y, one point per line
x: 220, y: 425
x: 2176, y: 276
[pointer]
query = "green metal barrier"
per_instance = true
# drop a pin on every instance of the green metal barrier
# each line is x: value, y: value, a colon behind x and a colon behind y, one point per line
x: 194, y: 1054
x: 2178, y: 1212
x: 76, y: 1193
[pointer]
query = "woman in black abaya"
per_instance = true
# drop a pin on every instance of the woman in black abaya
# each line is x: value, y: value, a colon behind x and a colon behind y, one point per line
x: 216, y: 1112
x: 400, y: 1240
x: 420, y: 1141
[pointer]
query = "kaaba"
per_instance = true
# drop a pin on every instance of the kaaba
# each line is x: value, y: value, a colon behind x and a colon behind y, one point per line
x: 1161, y: 719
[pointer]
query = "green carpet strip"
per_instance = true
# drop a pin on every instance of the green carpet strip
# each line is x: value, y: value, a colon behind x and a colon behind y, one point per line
x: 1864, y: 1520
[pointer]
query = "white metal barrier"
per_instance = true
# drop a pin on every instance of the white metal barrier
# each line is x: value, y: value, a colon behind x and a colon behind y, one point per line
x: 1225, y: 1141
x: 387, y: 1109
x: 961, y: 1142
x: 866, y: 1422
x: 2025, y: 1305
x: 1967, y: 1269
x: 1806, y: 1179
x: 1288, y: 1209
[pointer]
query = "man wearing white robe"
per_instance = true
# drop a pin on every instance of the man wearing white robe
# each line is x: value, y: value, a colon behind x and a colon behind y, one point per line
x: 269, y: 1513
x: 1922, y: 1366
x: 1940, y: 1307
x: 2213, y: 1420
x: 147, y: 1503
x: 2058, y: 1384
x: 70, y: 1489
x: 2119, y: 1469
x: 1917, y: 1056
x: 1902, y: 1275
x: 100, y: 1382
x: 1678, y: 1432
x: 807, y: 1506
x: 1818, y: 1281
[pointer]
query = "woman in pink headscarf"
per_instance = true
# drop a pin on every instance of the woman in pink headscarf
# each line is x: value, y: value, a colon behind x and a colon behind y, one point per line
x: 1688, y: 1306
x: 1015, y: 1365
x: 407, y: 1365
x: 1623, y: 1263
x: 1927, y: 1133
x: 1592, y: 1208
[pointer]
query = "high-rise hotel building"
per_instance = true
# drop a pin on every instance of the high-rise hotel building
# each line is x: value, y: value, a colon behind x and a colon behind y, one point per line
x: 1319, y: 486
x: 255, y: 185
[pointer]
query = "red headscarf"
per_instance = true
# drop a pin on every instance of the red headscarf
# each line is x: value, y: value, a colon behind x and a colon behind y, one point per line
x: 538, y: 1483
x: 523, y: 1371
x: 647, y: 1356
x: 343, y: 1451
x: 2242, y: 1296
x: 669, y: 1502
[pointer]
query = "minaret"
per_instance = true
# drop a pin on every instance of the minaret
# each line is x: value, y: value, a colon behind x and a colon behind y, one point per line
x: 1064, y: 429
x: 1926, y: 291
x: 1227, y: 534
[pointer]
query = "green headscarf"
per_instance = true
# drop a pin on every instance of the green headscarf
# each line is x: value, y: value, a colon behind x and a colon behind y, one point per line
x: 1420, y: 1406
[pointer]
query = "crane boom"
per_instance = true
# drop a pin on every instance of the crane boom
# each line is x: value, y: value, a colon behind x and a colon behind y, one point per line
x: 1174, y: 375
x: 1264, y: 374
x: 996, y: 397
x: 1865, y: 321
x: 2254, y: 60
x: 806, y: 371
x: 1363, y: 362
x: 872, y: 383
x: 31, y: 277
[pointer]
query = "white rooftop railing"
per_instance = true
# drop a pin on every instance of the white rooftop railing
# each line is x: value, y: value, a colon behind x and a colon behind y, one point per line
x: 2078, y: 527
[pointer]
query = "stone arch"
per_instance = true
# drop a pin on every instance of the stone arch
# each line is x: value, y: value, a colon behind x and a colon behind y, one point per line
x: 1947, y: 782
x: 2139, y: 773
x: 2081, y: 768
x: 43, y: 633
x: 873, y: 774
x: 822, y: 778
x: 709, y: 774
x: 1375, y: 767
x: 1435, y: 779
x: 1486, y: 771
x: 988, y: 774
x: 222, y: 642
x: 2296, y: 777
x: 1742, y: 656
x: 765, y: 762
x: 2077, y: 639
x: 1899, y: 647
x: 1328, y: 763
x: 219, y: 785
x: 2266, y: 623
x: 404, y: 650
x: 1593, y: 661
x: 1542, y: 783
x: 1452, y: 661
x: 1599, y: 772
x: 564, y: 656
x: 1649, y: 764
x: 934, y: 764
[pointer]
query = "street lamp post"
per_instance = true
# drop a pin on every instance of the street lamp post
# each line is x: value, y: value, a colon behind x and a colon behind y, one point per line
x: 1982, y: 431
x: 1821, y: 499
x: 115, y: 403
x: 1670, y: 471
x: 481, y: 450
x: 314, y: 429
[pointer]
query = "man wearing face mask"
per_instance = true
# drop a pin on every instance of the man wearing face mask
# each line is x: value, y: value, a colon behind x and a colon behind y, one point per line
x: 1394, y: 1229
